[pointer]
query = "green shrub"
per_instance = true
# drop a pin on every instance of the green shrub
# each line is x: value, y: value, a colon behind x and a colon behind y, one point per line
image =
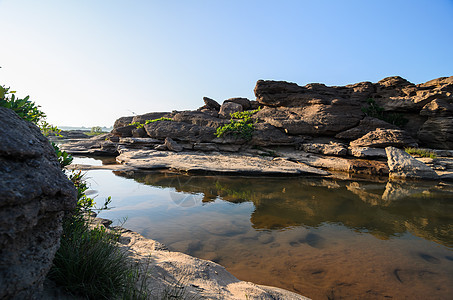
x: 27, y: 110
x: 375, y: 111
x: 64, y: 158
x: 241, y: 125
x: 141, y: 125
x: 89, y: 263
x: 421, y: 152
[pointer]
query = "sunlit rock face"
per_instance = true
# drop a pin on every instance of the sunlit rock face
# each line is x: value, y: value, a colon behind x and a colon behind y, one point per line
x: 343, y: 113
x: 34, y: 195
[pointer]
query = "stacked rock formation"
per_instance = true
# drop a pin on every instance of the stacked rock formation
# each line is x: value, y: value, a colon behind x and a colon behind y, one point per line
x: 294, y: 115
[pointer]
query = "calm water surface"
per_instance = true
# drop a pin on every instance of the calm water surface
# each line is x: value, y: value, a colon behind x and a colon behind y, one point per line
x: 322, y: 238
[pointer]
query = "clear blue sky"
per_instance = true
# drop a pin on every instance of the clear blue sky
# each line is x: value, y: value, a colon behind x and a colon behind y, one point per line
x: 88, y: 62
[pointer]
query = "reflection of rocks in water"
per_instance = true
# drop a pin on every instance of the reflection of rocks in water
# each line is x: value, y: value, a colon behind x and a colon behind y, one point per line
x: 282, y: 203
x: 368, y: 193
x: 395, y: 190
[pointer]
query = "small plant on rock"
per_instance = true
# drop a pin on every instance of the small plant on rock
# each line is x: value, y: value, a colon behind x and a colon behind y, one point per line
x: 375, y: 111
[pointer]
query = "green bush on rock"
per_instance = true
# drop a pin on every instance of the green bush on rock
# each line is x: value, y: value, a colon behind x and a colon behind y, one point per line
x: 375, y: 111
x: 241, y: 125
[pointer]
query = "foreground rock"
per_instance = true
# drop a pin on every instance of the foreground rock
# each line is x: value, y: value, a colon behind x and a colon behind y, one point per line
x: 34, y: 194
x: 193, y: 162
x: 403, y: 165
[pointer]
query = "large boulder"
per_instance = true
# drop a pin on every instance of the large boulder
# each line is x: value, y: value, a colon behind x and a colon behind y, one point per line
x: 180, y: 131
x: 229, y: 108
x: 317, y: 119
x: 381, y: 138
x: 403, y: 165
x: 437, y: 133
x: 34, y: 195
x: 123, y: 121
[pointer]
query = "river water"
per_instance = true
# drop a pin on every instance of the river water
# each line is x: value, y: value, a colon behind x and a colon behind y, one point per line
x: 322, y: 238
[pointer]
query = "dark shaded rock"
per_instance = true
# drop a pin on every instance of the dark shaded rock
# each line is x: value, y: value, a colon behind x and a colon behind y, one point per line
x: 211, y: 104
x: 139, y: 133
x: 438, y: 108
x: 34, y: 194
x: 267, y: 135
x: 125, y: 131
x: 172, y: 145
x: 316, y: 119
x: 437, y: 133
x: 123, y: 121
x: 381, y: 138
x: 254, y: 104
x: 403, y: 165
x: 366, y: 125
x: 244, y: 102
x: 229, y: 108
x: 180, y: 131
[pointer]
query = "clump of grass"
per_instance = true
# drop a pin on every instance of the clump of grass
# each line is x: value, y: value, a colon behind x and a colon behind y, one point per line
x: 141, y: 125
x: 421, y: 152
x: 241, y: 125
x: 90, y: 263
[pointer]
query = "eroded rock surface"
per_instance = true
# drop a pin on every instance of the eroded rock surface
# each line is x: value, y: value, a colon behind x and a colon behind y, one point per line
x: 34, y: 194
x: 403, y: 165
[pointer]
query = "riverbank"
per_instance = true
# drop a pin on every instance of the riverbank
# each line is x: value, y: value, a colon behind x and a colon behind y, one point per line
x: 195, y: 278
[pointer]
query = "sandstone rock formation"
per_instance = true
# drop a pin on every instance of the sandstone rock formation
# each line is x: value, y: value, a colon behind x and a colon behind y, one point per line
x: 357, y: 120
x: 34, y: 194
